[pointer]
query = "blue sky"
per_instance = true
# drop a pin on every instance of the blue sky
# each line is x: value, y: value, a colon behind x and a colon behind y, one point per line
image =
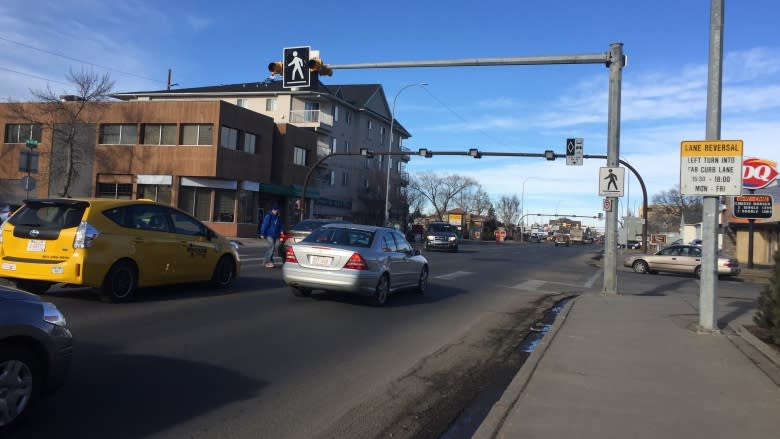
x: 500, y: 108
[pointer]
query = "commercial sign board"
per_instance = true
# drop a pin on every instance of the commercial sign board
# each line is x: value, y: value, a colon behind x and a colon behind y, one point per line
x: 711, y: 167
x: 758, y: 173
x: 753, y: 206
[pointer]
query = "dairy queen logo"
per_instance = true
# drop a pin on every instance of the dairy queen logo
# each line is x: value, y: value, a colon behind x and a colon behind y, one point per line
x: 758, y: 173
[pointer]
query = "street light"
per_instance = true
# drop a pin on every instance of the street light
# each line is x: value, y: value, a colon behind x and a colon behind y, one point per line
x: 522, y: 205
x: 390, y: 148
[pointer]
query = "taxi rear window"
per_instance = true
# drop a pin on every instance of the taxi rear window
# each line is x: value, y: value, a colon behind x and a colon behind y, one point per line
x: 49, y: 215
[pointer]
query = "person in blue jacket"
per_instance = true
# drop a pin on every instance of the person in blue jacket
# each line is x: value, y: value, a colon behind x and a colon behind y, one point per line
x: 270, y: 230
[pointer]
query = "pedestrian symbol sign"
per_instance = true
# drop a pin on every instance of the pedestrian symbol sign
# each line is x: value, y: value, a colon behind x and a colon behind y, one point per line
x: 296, y: 67
x: 611, y: 181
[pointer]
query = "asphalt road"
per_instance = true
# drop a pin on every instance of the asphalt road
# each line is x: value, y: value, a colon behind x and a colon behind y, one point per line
x: 254, y: 361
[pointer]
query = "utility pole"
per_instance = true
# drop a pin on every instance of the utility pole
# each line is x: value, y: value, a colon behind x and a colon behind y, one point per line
x: 615, y: 64
x: 708, y: 294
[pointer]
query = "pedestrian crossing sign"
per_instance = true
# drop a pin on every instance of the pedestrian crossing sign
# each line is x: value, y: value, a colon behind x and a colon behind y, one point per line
x: 611, y: 180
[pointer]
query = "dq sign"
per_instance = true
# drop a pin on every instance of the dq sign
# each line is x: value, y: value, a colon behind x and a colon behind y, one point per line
x: 758, y: 173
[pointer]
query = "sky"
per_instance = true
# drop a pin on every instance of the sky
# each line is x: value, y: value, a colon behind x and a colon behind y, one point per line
x: 492, y: 108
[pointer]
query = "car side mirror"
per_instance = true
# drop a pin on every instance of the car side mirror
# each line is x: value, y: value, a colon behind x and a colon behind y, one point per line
x: 417, y: 252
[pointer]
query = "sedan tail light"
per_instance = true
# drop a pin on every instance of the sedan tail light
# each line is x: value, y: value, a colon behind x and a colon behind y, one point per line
x: 356, y: 262
x: 290, y: 256
x: 284, y: 236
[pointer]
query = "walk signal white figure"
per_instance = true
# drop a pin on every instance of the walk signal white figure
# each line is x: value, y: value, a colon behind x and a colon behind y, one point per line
x: 297, y: 65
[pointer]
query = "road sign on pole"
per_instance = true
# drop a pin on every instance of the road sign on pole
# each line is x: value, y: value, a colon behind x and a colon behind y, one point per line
x: 611, y: 181
x: 574, y: 151
x: 296, y: 67
x: 711, y: 167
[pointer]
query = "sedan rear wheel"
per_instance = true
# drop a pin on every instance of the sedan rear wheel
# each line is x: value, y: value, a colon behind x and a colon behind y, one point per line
x: 640, y: 266
x: 300, y: 292
x: 697, y: 271
x: 18, y: 383
x: 382, y: 291
x: 422, y: 282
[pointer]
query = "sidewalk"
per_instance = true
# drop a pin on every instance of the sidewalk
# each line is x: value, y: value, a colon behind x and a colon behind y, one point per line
x: 634, y: 367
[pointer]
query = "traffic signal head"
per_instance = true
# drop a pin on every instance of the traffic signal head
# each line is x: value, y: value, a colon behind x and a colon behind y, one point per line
x: 276, y: 68
x: 316, y: 65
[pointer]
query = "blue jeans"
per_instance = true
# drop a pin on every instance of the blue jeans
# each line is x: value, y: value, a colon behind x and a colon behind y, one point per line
x: 269, y: 253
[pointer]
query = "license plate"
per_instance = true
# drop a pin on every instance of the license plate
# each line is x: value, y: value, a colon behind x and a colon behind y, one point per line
x: 7, y: 266
x: 322, y: 261
x: 57, y: 270
x: 36, y: 245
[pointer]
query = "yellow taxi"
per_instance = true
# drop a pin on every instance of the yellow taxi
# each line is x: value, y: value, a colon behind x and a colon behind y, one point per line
x: 115, y: 246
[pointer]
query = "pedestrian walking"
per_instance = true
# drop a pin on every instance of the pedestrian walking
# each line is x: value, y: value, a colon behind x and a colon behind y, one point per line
x: 270, y: 230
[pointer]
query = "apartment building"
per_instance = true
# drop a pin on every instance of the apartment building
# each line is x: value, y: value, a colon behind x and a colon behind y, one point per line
x: 345, y: 119
x: 222, y: 163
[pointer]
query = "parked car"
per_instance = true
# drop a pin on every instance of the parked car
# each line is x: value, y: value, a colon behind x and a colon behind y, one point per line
x: 300, y: 231
x: 35, y: 352
x: 441, y: 235
x: 113, y: 245
x: 365, y: 260
x: 696, y: 242
x: 562, y: 240
x: 535, y: 239
x: 679, y: 259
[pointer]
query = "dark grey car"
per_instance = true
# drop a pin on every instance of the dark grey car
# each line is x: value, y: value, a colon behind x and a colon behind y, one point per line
x: 35, y: 352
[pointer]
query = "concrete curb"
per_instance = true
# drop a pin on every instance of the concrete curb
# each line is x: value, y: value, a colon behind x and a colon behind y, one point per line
x: 495, y: 419
x: 751, y: 339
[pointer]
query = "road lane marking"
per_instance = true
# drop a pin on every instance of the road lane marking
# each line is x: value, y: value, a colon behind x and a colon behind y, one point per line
x: 531, y: 284
x: 453, y: 275
x: 592, y: 279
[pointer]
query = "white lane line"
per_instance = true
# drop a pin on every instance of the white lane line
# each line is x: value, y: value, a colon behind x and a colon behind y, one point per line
x: 592, y: 279
x: 250, y: 259
x: 531, y: 284
x: 453, y: 275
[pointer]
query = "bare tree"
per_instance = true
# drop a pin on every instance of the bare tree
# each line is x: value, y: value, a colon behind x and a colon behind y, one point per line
x: 474, y: 200
x: 440, y: 191
x: 670, y: 208
x: 68, y: 117
x: 508, y: 210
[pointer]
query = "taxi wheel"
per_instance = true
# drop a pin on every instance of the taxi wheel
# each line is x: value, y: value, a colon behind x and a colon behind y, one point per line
x: 33, y: 286
x: 120, y: 282
x: 224, y: 272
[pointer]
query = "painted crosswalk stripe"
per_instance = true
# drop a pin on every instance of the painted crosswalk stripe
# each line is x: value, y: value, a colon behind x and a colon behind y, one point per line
x: 453, y: 275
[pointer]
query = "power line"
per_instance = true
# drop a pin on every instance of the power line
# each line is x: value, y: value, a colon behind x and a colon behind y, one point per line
x: 78, y: 60
x: 462, y: 118
x: 32, y: 76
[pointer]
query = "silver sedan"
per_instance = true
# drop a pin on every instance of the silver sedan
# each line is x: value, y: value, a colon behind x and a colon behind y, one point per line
x: 679, y: 259
x: 365, y: 260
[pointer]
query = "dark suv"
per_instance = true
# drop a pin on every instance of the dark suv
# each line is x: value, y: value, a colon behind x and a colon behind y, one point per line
x: 35, y: 352
x: 441, y: 235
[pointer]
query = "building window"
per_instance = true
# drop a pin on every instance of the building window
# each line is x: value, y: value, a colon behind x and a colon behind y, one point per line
x: 348, y: 117
x: 160, y: 193
x: 370, y: 128
x: 366, y: 163
x: 196, y: 201
x: 398, y: 165
x: 345, y: 179
x: 347, y: 146
x: 270, y: 104
x: 15, y: 133
x: 247, y: 206
x: 299, y: 157
x: 159, y: 134
x: 332, y: 178
x: 242, y: 102
x: 332, y: 145
x: 224, y: 205
x: 118, y: 134
x: 196, y: 134
x: 311, y: 111
x: 382, y: 136
x: 335, y: 113
x: 123, y: 191
x: 228, y: 138
x: 249, y: 143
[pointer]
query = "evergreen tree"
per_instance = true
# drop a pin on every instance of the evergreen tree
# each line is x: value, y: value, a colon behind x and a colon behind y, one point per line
x: 768, y: 315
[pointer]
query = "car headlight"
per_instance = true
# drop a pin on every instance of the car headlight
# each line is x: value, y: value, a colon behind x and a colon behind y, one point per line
x: 453, y: 238
x: 429, y: 237
x: 234, y: 244
x: 53, y: 315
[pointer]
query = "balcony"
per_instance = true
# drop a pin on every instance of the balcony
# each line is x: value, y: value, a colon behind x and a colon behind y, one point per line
x: 406, y: 152
x: 311, y: 118
x: 403, y: 179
